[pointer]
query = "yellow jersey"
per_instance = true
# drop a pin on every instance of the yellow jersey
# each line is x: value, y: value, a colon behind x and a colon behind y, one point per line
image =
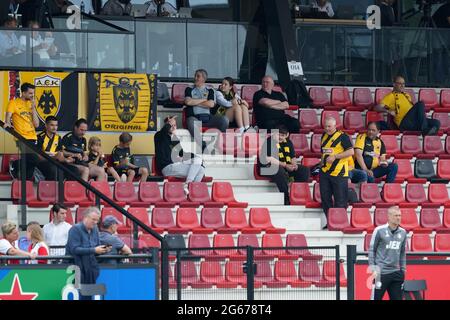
x: 334, y: 145
x: 400, y: 102
x: 22, y: 118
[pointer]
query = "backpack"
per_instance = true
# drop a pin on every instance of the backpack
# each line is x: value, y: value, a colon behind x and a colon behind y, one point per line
x: 298, y: 94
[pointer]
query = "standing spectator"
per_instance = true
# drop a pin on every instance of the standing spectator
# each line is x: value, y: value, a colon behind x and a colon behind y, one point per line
x: 96, y: 157
x: 29, y: 9
x: 83, y: 244
x: 4, y: 9
x: 37, y: 246
x: 56, y: 232
x: 160, y: 8
x: 58, y: 7
x: 8, y: 245
x: 22, y: 115
x: 108, y: 236
x: 277, y: 161
x: 269, y: 108
x: 323, y: 6
x: 442, y: 16
x: 336, y: 149
x: 230, y: 104
x: 117, y: 8
x: 123, y: 160
x: 407, y: 116
x: 370, y: 154
x: 171, y: 164
x: 74, y: 145
x: 387, y: 13
x: 387, y: 257
x: 199, y: 101
x: 441, y: 42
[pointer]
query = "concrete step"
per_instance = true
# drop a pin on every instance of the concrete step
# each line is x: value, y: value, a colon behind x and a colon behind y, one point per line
x: 260, y: 198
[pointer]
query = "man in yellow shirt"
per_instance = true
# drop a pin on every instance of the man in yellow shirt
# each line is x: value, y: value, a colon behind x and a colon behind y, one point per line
x: 407, y: 116
x: 21, y: 114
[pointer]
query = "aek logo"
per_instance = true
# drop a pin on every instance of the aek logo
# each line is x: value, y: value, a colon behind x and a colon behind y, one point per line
x: 395, y: 245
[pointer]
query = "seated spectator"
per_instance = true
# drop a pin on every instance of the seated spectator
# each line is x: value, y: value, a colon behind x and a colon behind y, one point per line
x: 277, y: 161
x: 8, y: 245
x: 108, y: 237
x: 230, y: 104
x: 97, y: 158
x: 56, y: 232
x: 199, y: 101
x: 37, y: 246
x: 117, y: 8
x: 323, y: 6
x: 10, y: 48
x: 123, y: 160
x: 160, y: 8
x: 50, y: 142
x: 74, y: 145
x: 407, y: 116
x: 370, y: 155
x: 174, y: 166
x: 58, y: 7
x: 269, y: 108
x: 42, y: 47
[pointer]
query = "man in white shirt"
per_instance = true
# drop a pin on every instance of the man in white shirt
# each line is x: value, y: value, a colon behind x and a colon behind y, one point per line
x: 57, y: 231
x: 323, y: 6
x: 166, y: 8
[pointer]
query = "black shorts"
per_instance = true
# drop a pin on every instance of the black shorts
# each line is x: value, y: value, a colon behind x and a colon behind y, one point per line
x: 122, y: 171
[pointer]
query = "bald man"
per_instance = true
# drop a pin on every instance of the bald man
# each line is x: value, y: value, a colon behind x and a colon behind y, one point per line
x: 269, y: 107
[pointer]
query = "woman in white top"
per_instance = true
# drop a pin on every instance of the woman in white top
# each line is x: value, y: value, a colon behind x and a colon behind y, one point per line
x: 231, y: 105
x: 37, y: 246
x: 323, y: 6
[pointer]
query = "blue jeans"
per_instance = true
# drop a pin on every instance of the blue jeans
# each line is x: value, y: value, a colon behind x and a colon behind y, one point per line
x: 357, y: 176
x: 390, y: 172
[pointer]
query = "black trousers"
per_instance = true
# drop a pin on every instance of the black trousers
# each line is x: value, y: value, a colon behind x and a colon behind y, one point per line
x: 281, y: 179
x: 50, y: 171
x: 291, y: 123
x: 330, y: 187
x: 31, y: 160
x: 393, y: 284
x: 416, y: 120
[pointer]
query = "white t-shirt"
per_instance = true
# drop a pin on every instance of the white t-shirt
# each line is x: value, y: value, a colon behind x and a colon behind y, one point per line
x: 56, y: 235
x: 4, y: 246
x: 153, y: 9
x: 328, y: 8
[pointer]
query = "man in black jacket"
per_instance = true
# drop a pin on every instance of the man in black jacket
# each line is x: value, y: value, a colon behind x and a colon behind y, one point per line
x: 169, y: 162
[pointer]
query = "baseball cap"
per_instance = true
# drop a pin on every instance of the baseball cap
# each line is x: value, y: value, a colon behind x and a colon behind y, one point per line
x: 108, y: 221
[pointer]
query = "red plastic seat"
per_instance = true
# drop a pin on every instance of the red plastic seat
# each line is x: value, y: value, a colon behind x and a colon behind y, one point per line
x: 310, y: 162
x: 362, y: 97
x: 149, y: 193
x: 211, y: 218
x: 319, y: 96
x: 250, y: 144
x: 103, y: 187
x: 285, y: 273
x: 445, y: 98
x: 260, y: 219
x: 200, y: 241
x: 223, y: 192
x: 299, y: 240
x: 189, y: 275
x: 174, y: 192
x: 380, y: 216
x: 405, y: 172
x: 380, y: 93
x: 373, y: 116
x: 332, y: 113
x: 316, y: 193
x: 340, y: 97
x: 329, y: 273
x: 338, y: 221
x: 429, y: 97
x: 353, y: 120
x: 47, y: 191
x: 234, y: 273
x: 125, y: 192
x: 178, y: 90
x: 308, y: 120
x: 444, y: 119
x: 108, y: 211
x: 264, y: 275
x: 211, y: 272
x: 421, y: 243
x: 393, y: 193
x: 361, y: 219
x: 391, y: 144
x: 409, y: 219
x: 4, y: 171
x: 429, y: 218
x: 235, y: 219
x: 187, y: 219
x: 309, y: 270
x: 316, y: 143
x: 222, y: 241
x: 415, y: 192
x: 250, y: 240
x: 140, y: 214
x: 227, y: 143
x: 442, y: 242
x: 148, y: 241
x: 437, y: 193
x: 162, y: 220
x: 367, y: 239
x: 300, y: 143
x: 433, y: 145
x: 198, y: 192
x: 411, y: 145
x: 79, y: 214
x: 369, y: 194
x: 443, y: 168
x: 275, y: 241
x: 300, y: 193
x: 247, y: 93
x: 75, y: 193
x: 446, y: 218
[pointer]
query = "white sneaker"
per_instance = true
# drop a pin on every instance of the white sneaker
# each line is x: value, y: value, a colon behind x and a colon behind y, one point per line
x: 123, y: 177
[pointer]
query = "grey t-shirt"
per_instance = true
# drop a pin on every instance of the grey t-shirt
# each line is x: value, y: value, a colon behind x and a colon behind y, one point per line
x: 200, y: 93
x: 117, y: 244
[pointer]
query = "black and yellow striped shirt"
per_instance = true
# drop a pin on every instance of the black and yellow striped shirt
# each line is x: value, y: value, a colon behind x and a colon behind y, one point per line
x: 333, y: 145
x: 48, y: 144
x: 372, y: 150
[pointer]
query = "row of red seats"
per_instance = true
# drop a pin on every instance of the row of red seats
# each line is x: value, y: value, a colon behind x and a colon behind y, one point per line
x: 411, y: 146
x: 284, y: 274
x: 125, y: 193
x: 361, y: 220
x: 421, y: 243
x: 392, y: 194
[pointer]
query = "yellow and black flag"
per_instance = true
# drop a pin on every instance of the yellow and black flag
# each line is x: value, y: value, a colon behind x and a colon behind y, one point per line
x: 122, y: 102
x: 56, y: 95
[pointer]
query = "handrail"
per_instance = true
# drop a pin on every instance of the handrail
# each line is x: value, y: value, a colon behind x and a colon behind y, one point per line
x: 104, y: 256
